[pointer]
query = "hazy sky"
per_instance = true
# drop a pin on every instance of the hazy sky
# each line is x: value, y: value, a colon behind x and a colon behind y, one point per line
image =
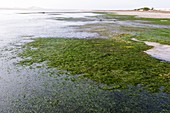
x: 86, y: 4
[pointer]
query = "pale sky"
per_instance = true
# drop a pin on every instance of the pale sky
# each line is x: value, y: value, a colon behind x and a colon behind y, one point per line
x: 85, y: 4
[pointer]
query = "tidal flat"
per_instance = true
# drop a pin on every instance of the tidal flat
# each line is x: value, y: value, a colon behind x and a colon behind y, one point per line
x: 108, y: 72
x: 112, y: 59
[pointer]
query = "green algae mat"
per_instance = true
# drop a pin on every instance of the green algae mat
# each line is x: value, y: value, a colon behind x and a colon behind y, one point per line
x: 119, y: 64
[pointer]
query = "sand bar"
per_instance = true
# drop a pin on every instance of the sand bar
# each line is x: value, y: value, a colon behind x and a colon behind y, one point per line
x: 144, y: 14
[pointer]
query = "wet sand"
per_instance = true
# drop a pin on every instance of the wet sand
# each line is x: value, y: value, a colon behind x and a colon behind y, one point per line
x: 146, y: 14
x: 159, y: 51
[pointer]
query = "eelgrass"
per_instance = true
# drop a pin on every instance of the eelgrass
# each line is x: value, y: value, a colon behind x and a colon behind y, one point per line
x: 119, y: 63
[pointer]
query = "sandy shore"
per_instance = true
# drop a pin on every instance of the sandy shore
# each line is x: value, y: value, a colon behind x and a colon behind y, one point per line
x: 159, y: 51
x: 145, y: 14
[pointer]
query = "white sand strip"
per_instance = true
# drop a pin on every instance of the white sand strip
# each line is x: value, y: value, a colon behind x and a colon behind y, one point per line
x: 145, y: 14
x: 159, y: 51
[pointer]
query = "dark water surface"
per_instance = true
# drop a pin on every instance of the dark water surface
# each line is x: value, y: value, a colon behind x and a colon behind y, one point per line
x: 37, y: 88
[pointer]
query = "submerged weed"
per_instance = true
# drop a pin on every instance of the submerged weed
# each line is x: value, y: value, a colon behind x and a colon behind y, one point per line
x: 113, y: 62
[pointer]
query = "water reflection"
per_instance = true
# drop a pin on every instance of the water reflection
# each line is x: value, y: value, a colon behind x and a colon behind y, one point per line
x: 14, y: 25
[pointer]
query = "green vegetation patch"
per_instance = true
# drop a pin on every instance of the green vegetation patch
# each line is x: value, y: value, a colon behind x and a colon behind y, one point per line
x: 109, y: 61
x: 161, y: 35
x: 161, y: 21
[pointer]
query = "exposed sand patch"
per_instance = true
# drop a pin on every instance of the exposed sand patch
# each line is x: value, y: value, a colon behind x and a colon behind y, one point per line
x: 159, y: 51
x: 146, y: 14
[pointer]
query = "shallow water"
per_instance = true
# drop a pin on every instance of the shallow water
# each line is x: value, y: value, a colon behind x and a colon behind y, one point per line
x: 17, y: 28
x: 13, y: 26
x: 37, y: 88
x: 141, y: 24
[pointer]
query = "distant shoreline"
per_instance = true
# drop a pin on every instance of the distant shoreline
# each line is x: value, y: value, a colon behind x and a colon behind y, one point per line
x: 154, y: 11
x: 144, y: 14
